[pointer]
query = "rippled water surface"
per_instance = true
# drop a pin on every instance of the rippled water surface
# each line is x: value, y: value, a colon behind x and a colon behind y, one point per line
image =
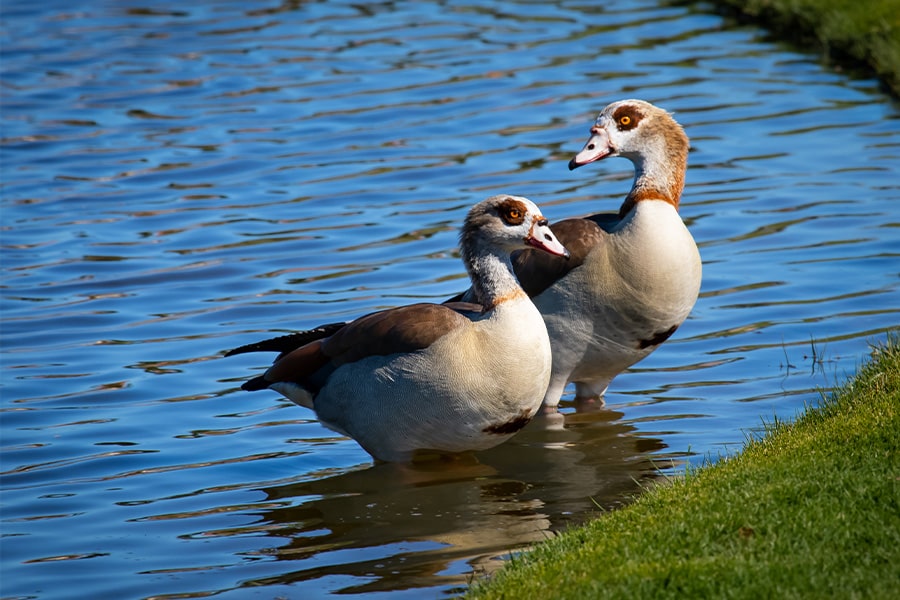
x: 179, y: 180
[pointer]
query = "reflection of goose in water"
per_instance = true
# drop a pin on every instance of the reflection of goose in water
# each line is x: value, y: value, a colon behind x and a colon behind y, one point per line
x: 389, y: 527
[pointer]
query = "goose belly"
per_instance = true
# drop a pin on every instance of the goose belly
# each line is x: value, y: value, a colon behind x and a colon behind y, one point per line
x: 628, y: 297
x: 468, y: 391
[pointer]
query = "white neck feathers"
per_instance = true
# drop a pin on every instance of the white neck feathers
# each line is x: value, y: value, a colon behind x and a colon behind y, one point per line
x: 491, y: 271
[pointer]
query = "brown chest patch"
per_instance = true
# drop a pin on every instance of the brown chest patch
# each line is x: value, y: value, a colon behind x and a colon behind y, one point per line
x: 657, y: 339
x: 511, y: 426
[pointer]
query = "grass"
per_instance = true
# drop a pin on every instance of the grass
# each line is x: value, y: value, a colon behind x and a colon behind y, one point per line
x: 809, y: 510
x: 857, y: 33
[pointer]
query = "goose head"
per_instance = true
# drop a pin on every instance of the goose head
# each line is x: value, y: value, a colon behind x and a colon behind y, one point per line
x: 650, y: 138
x: 505, y: 224
x: 493, y: 230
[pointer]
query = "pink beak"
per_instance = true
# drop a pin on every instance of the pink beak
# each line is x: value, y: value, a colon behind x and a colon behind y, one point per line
x: 596, y: 148
x: 542, y: 238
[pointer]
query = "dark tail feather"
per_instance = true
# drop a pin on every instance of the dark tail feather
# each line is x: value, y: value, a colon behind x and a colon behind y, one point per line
x: 256, y: 384
x: 290, y: 342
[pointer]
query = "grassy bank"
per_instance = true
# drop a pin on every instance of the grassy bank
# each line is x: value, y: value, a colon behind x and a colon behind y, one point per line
x: 810, y: 510
x: 856, y: 33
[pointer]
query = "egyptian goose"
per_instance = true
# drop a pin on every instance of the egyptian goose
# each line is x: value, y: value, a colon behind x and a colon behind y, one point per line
x: 633, y: 276
x: 432, y: 377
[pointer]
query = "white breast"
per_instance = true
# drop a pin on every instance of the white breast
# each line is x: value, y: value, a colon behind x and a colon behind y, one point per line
x: 638, y: 285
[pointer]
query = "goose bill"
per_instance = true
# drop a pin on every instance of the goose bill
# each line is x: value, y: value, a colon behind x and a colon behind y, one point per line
x: 543, y: 239
x: 596, y: 148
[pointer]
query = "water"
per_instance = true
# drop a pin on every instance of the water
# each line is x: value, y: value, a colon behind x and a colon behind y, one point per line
x: 180, y: 181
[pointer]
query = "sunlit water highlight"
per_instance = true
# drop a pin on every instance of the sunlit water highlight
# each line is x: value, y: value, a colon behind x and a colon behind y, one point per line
x: 179, y: 182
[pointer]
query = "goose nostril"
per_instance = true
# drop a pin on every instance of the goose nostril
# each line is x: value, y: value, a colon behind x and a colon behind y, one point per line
x: 590, y: 146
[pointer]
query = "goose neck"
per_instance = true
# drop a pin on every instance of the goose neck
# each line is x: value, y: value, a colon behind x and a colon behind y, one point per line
x: 493, y: 279
x: 658, y: 175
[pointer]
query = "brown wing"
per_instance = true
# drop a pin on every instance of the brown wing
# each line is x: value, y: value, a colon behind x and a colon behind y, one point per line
x: 403, y: 329
x: 397, y: 330
x: 469, y: 309
x: 539, y: 270
x: 289, y: 342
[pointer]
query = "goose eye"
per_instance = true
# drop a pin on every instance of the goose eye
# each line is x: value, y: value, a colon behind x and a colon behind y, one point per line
x: 512, y: 212
x: 624, y: 120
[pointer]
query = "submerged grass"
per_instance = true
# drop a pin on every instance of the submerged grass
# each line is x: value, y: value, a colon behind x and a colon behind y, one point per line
x: 851, y: 32
x: 811, y: 509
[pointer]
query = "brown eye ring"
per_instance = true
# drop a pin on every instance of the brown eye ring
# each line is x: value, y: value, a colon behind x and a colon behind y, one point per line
x: 512, y: 212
